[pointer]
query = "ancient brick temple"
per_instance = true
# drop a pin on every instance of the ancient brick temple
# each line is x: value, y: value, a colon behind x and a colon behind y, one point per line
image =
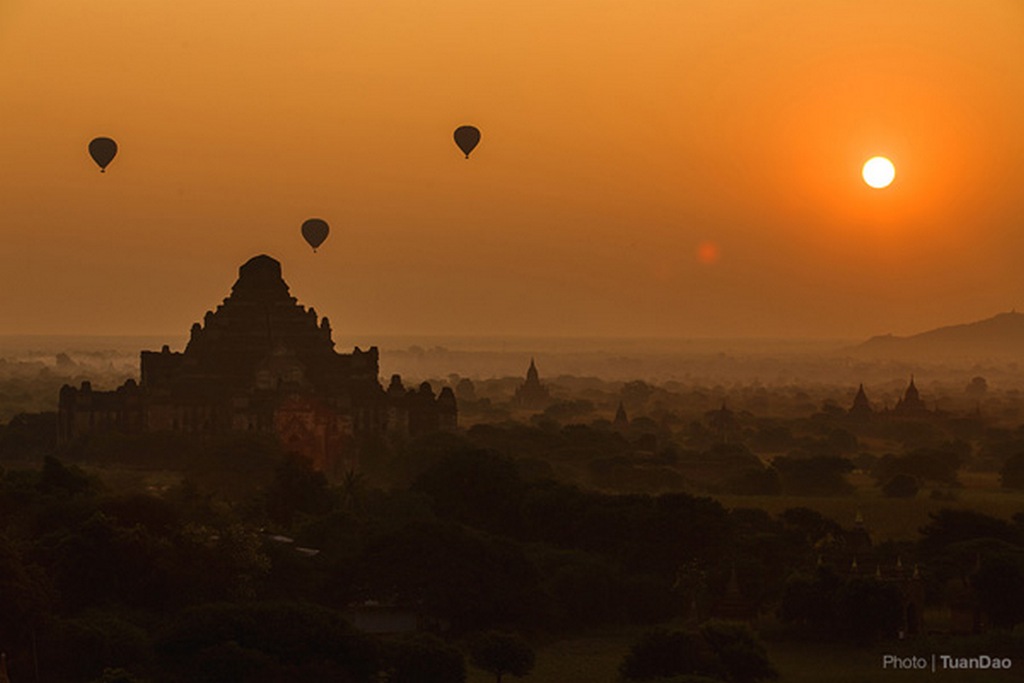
x: 262, y: 362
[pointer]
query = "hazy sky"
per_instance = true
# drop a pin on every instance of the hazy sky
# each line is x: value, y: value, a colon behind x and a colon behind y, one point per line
x: 648, y: 167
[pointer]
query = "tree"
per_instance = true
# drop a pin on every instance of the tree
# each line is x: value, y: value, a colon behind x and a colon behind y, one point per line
x: 742, y: 655
x: 977, y: 387
x: 26, y: 594
x: 118, y: 675
x: 353, y: 491
x: 564, y: 411
x: 582, y: 588
x: 59, y: 479
x: 810, y: 525
x: 662, y: 654
x: 1000, y: 587
x: 810, y: 601
x: 81, y: 648
x: 502, y: 653
x: 279, y: 641
x: 98, y: 561
x: 841, y: 441
x: 1012, y: 474
x: 29, y: 435
x: 930, y: 464
x: 901, y: 486
x: 423, y: 658
x: 956, y: 526
x: 756, y: 481
x: 479, y: 487
x: 297, y: 489
x: 816, y: 476
x: 868, y: 609
x: 471, y: 580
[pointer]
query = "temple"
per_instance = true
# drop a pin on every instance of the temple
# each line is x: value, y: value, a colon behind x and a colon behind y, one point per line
x: 261, y: 362
x: 911, y: 404
x: 531, y: 394
x: 861, y: 408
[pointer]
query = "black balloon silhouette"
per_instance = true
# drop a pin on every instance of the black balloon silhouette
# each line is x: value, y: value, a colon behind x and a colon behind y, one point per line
x: 102, y: 151
x: 467, y: 137
x: 315, y: 231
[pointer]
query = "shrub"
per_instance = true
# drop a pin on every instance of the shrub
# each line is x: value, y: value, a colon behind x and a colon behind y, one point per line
x: 901, y: 486
x: 1012, y: 474
x: 502, y: 653
x: 424, y: 658
x: 662, y: 654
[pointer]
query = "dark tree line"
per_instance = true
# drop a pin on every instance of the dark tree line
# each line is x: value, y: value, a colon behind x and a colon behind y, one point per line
x: 96, y: 579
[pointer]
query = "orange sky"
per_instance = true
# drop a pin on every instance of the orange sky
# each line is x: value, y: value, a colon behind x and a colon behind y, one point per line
x: 623, y: 142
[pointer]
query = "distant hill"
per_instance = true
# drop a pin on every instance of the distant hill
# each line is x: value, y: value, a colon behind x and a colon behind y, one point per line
x: 1001, y: 336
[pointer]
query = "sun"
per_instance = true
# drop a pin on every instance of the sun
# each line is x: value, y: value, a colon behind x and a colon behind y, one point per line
x: 878, y: 172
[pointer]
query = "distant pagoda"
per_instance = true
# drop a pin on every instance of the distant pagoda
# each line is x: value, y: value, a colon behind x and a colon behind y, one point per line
x: 532, y: 395
x: 861, y: 407
x: 621, y: 421
x: 911, y: 404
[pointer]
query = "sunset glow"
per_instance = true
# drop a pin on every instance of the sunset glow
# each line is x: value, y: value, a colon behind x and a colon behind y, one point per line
x: 612, y: 133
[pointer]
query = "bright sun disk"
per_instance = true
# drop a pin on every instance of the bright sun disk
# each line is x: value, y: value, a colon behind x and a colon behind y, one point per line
x: 878, y: 172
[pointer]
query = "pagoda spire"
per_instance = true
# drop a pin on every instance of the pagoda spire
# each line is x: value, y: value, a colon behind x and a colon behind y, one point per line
x: 621, y: 418
x: 531, y: 373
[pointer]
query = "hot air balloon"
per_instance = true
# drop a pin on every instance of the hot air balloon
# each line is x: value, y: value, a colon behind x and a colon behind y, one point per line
x: 467, y: 137
x: 315, y: 232
x: 102, y: 151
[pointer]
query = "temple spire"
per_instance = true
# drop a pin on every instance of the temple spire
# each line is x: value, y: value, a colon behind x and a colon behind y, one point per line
x: 532, y: 375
